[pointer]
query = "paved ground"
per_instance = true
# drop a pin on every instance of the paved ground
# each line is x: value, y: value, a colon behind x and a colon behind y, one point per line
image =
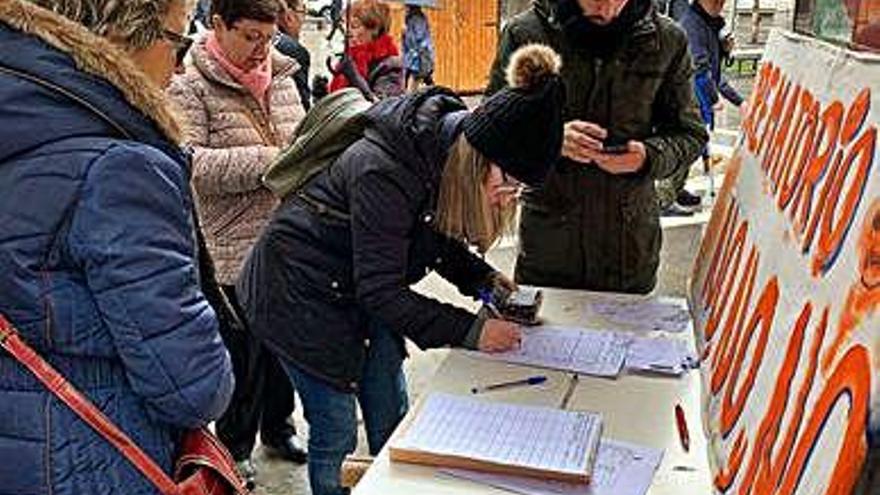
x: 680, y: 243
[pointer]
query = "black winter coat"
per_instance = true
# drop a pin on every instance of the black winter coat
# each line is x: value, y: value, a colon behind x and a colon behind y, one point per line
x: 317, y: 274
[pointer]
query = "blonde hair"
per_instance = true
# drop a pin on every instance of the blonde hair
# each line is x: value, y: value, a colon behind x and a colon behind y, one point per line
x: 463, y: 209
x: 135, y: 23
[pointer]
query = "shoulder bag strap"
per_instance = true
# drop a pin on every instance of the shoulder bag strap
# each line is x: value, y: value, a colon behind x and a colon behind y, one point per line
x: 58, y: 385
x: 269, y: 135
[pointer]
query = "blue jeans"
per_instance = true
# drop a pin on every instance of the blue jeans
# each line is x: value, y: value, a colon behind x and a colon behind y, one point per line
x: 332, y: 416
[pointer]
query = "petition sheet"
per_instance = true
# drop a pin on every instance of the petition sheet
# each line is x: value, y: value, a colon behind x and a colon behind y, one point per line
x: 621, y: 468
x: 662, y: 355
x: 664, y: 314
x: 589, y: 352
x: 534, y: 437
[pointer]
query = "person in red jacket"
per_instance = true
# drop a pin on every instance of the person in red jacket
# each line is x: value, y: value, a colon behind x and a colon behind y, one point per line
x: 371, y: 50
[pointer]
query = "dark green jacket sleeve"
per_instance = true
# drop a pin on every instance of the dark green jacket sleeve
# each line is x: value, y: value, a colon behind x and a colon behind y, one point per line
x: 680, y: 134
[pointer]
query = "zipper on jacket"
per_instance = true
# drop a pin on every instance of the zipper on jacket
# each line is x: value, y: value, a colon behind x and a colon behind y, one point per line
x: 609, y: 100
x: 594, y: 87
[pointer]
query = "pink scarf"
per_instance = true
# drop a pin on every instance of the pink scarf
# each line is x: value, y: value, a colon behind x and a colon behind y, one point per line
x: 256, y: 81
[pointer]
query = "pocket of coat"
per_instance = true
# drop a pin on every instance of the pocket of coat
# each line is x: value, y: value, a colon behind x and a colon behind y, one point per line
x: 641, y: 238
x: 548, y: 241
x: 326, y: 287
x: 642, y: 82
x: 559, y: 193
x: 641, y: 91
x: 76, y: 322
x: 645, y: 73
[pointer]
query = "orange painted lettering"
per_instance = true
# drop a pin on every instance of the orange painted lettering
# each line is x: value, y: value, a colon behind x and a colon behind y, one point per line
x: 734, y: 400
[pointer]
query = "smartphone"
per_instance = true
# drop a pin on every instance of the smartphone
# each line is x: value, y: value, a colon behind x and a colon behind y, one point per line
x: 615, y: 147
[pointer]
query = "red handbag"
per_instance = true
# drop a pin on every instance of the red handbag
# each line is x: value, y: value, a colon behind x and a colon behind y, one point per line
x: 203, y: 467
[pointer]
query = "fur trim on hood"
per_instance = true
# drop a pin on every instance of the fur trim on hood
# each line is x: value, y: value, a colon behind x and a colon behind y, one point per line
x: 94, y: 55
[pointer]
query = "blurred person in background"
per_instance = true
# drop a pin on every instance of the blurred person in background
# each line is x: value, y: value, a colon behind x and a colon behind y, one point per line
x: 336, y: 20
x: 375, y: 64
x: 287, y: 42
x: 704, y: 24
x: 674, y: 9
x: 201, y: 17
x: 418, y: 49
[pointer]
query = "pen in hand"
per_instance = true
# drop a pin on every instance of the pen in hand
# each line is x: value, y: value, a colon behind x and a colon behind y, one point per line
x: 532, y: 380
x: 486, y: 299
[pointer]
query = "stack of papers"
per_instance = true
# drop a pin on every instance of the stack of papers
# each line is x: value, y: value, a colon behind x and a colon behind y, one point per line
x: 644, y: 315
x: 590, y: 352
x: 659, y: 355
x: 463, y: 432
x: 621, y: 469
x: 598, y: 353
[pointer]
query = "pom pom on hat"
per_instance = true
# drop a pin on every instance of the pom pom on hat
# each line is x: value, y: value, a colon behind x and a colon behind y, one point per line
x: 532, y: 65
x: 519, y: 128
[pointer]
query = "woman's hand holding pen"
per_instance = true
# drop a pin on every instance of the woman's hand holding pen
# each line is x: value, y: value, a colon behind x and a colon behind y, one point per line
x: 501, y: 280
x: 499, y: 336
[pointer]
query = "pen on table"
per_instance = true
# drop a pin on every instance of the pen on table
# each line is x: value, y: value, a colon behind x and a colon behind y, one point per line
x: 532, y: 380
x: 662, y: 367
x: 572, y: 384
x: 681, y: 424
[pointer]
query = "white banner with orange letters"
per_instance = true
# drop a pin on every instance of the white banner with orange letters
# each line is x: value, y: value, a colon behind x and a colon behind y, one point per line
x: 786, y: 286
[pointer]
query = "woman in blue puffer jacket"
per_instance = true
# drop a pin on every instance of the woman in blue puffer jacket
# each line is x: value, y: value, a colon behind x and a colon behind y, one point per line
x: 98, y: 248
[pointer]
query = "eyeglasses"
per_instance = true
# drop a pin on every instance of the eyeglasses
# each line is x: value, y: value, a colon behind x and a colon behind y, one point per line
x: 181, y: 44
x: 255, y: 38
x: 509, y: 186
x: 509, y: 182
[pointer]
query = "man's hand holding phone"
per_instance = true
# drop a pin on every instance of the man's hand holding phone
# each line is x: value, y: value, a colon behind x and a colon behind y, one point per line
x: 582, y: 141
x: 586, y: 142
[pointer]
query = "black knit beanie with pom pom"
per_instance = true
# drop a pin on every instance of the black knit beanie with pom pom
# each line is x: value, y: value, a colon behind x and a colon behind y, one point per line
x: 520, y: 127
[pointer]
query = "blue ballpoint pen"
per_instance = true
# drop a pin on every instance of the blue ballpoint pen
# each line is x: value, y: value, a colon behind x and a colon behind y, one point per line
x: 486, y: 298
x: 532, y: 380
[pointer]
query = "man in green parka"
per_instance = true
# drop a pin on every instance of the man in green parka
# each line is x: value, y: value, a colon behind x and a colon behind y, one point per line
x: 631, y: 119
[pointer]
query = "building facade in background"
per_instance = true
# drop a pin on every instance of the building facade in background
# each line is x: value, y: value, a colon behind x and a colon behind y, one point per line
x: 854, y: 23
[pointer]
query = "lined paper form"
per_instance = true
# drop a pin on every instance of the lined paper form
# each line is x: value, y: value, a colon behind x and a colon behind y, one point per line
x: 536, y: 438
x: 656, y: 314
x: 659, y: 355
x: 622, y: 468
x: 590, y: 352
